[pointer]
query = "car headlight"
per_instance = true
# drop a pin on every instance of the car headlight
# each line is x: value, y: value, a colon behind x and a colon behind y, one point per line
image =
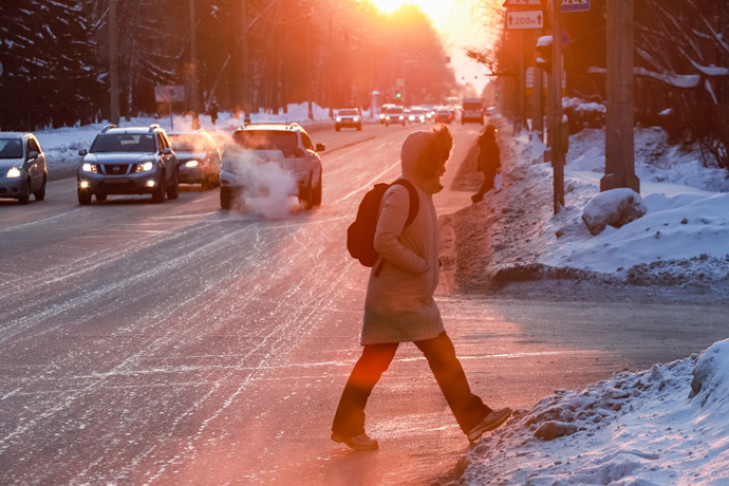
x: 13, y: 173
x: 192, y: 163
x: 144, y: 167
x: 339, y: 118
x: 87, y: 167
x: 356, y: 118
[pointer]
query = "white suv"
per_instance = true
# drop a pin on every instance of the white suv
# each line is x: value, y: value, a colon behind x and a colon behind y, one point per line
x: 288, y: 146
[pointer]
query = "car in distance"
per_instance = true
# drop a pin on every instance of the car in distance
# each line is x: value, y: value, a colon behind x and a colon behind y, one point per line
x: 23, y: 168
x: 287, y: 145
x: 129, y: 160
x: 472, y: 110
x: 198, y: 158
x: 395, y: 114
x: 443, y: 115
x: 418, y: 115
x: 348, y: 117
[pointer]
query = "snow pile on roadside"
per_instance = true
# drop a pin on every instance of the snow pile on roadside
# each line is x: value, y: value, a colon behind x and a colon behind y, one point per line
x: 683, y: 239
x: 667, y: 425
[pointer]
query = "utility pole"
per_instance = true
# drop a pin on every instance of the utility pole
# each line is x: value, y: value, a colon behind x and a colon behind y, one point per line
x: 555, y: 109
x: 308, y: 63
x: 619, y: 141
x: 194, y: 97
x: 244, y: 86
x: 113, y: 65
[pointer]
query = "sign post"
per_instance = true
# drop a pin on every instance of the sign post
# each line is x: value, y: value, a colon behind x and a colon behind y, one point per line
x: 168, y: 94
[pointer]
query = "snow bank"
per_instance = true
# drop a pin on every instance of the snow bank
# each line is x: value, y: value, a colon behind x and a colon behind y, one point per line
x: 666, y: 425
x: 682, y: 239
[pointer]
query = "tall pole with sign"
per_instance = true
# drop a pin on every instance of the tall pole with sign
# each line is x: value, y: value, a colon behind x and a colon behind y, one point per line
x: 524, y: 16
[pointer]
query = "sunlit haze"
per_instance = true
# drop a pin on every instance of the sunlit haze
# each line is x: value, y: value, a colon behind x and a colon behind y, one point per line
x: 460, y: 25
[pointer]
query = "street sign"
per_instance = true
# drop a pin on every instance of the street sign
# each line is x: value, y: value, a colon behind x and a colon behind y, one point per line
x: 169, y: 93
x: 524, y: 19
x: 522, y: 3
x: 575, y: 5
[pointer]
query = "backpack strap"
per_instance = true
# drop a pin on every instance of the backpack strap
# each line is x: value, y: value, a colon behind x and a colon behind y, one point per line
x: 412, y: 212
x: 414, y: 199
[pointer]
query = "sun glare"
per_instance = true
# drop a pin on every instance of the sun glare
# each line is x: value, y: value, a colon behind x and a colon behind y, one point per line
x: 435, y: 9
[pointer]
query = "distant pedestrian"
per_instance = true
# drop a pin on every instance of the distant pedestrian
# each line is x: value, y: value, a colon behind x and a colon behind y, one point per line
x: 399, y: 306
x: 489, y: 161
x: 213, y: 112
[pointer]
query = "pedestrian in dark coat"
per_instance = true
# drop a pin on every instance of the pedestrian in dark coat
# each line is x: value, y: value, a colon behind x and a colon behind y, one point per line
x: 399, y: 306
x: 489, y: 161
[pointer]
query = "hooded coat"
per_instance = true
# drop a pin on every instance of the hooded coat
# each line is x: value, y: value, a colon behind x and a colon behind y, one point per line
x: 399, y: 306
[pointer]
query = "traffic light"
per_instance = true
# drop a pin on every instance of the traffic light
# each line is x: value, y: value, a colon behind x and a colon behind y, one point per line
x: 544, y: 53
x: 398, y: 95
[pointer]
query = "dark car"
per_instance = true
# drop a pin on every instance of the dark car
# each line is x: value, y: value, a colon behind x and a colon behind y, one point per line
x: 198, y: 158
x: 443, y: 115
x: 130, y: 160
x: 23, y: 168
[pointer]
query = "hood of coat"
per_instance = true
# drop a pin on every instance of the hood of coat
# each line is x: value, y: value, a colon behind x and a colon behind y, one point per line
x: 415, y: 166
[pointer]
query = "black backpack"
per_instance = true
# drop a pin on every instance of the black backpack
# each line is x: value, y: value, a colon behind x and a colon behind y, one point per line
x: 361, y: 233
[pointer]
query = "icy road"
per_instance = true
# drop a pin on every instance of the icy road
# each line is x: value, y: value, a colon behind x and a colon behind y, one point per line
x: 178, y: 344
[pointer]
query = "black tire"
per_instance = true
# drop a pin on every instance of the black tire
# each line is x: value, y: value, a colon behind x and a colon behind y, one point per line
x: 337, y: 128
x: 84, y: 197
x: 158, y: 196
x: 359, y: 128
x: 316, y: 195
x: 40, y: 194
x: 100, y: 196
x: 24, y: 196
x: 207, y: 182
x: 226, y: 198
x: 173, y: 191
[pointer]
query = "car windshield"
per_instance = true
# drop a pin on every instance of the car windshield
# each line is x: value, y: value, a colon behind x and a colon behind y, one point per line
x: 347, y: 112
x: 187, y: 143
x: 123, y: 142
x: 395, y: 111
x: 10, y: 148
x: 471, y: 106
x: 267, y: 140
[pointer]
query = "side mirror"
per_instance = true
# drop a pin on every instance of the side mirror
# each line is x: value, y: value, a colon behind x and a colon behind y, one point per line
x: 83, y: 152
x: 33, y: 154
x: 166, y: 150
x: 320, y: 147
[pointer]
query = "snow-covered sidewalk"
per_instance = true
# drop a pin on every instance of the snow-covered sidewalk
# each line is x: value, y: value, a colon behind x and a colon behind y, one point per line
x: 668, y: 425
x: 512, y: 239
x: 665, y: 426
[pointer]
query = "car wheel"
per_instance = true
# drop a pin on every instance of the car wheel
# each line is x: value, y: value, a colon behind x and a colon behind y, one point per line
x: 84, y: 197
x: 359, y: 128
x: 100, y: 196
x: 226, y: 198
x: 24, y: 196
x: 174, y: 190
x: 316, y: 195
x: 206, y: 182
x: 40, y: 194
x: 158, y: 196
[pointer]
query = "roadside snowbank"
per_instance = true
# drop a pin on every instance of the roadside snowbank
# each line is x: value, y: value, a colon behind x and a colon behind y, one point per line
x: 513, y: 238
x: 667, y: 425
